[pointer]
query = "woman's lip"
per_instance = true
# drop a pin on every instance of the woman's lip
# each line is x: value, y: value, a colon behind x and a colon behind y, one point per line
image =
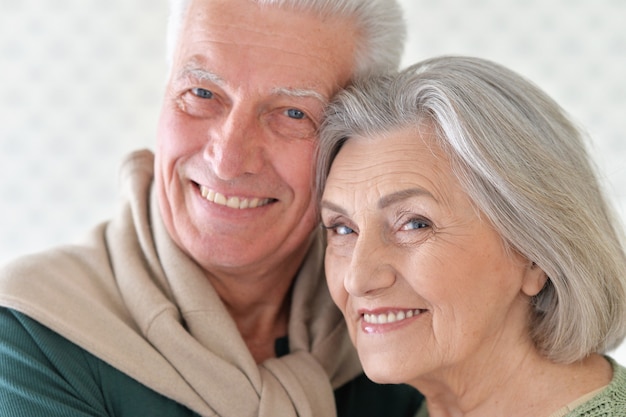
x: 389, y: 315
x: 382, y: 320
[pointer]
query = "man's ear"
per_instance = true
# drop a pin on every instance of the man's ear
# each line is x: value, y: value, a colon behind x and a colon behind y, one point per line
x: 534, y: 280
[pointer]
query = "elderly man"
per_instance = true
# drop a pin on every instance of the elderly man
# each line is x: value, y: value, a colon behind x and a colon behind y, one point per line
x: 204, y: 295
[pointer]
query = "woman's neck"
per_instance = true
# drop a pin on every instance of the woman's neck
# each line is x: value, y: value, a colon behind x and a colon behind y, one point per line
x: 530, y: 386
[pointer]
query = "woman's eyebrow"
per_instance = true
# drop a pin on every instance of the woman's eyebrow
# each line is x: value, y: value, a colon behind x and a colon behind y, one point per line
x: 389, y: 199
x: 325, y: 204
x: 384, y: 201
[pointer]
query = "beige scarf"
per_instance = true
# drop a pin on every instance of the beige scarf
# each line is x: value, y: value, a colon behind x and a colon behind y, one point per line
x: 132, y: 298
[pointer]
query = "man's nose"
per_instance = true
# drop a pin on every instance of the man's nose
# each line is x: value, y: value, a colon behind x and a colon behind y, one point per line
x: 235, y: 144
x: 371, y: 270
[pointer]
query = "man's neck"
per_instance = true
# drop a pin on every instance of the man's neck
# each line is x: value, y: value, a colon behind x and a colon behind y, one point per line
x: 259, y: 305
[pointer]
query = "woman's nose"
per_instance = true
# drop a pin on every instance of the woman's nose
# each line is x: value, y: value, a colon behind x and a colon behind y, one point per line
x: 371, y: 270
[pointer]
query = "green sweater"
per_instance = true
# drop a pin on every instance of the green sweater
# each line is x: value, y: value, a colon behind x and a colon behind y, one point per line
x: 44, y: 375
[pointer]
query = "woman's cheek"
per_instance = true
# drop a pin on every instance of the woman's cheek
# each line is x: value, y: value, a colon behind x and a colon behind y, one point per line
x: 334, y: 277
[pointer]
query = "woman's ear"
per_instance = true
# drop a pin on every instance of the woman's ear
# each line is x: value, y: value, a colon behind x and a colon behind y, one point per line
x: 534, y: 280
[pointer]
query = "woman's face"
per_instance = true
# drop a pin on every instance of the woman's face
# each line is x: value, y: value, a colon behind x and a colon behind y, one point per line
x: 426, y: 285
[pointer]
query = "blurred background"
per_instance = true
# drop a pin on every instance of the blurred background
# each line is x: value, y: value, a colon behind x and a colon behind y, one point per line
x: 81, y: 83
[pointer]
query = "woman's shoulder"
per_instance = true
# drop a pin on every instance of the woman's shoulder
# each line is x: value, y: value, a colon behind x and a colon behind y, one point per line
x: 611, y: 399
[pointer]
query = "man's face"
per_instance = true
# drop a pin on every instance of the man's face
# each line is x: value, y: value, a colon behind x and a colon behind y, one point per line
x: 238, y: 130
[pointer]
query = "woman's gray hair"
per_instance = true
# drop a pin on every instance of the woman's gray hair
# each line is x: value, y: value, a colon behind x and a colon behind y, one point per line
x: 380, y: 24
x: 526, y: 167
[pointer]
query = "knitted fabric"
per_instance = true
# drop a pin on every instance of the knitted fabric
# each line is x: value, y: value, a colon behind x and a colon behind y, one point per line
x: 610, y: 402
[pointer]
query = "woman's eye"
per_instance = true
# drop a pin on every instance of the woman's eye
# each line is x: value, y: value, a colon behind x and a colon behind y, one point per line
x: 202, y: 92
x: 339, y: 229
x: 296, y: 114
x: 414, y: 224
x: 343, y: 230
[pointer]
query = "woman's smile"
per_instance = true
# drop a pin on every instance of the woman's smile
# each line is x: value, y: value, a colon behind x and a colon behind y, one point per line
x: 386, y: 320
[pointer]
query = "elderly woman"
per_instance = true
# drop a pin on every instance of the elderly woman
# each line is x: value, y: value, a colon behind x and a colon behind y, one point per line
x: 470, y: 246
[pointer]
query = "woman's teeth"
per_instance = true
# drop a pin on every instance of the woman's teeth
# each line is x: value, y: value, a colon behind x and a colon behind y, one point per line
x: 390, y: 317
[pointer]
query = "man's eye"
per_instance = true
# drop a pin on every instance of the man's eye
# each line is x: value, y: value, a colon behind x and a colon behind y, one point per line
x: 296, y: 114
x: 291, y: 123
x: 202, y: 93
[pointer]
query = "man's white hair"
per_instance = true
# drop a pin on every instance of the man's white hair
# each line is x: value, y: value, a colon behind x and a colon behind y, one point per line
x: 380, y: 24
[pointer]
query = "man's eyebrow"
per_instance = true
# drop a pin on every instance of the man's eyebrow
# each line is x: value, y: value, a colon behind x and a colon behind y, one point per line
x: 389, y: 199
x: 299, y: 92
x: 201, y: 74
x: 192, y: 70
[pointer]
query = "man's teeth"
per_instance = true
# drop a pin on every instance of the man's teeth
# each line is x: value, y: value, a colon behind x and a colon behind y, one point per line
x: 390, y: 317
x: 232, y: 202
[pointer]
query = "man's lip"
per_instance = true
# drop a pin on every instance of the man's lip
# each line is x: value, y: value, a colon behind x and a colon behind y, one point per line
x: 233, y: 201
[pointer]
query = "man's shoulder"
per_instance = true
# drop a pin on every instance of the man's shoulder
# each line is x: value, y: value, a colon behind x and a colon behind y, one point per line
x: 141, y: 160
x: 66, y: 287
x: 44, y: 373
x: 88, y: 256
x: 40, y: 276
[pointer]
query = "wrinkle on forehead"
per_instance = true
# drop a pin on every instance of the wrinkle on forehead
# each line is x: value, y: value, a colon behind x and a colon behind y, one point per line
x: 279, y: 53
x: 389, y: 172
